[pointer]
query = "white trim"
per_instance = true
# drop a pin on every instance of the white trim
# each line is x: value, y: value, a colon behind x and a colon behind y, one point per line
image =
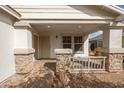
x: 38, y: 44
x: 11, y: 11
x: 38, y: 47
x: 73, y: 44
x: 72, y: 21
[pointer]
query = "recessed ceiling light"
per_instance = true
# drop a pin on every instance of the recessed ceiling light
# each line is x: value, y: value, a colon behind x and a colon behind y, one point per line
x: 48, y: 26
x: 79, y: 26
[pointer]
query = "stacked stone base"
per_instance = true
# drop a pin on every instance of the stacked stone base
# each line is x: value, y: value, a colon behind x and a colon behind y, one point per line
x: 24, y: 60
x: 63, y: 62
x: 114, y: 62
x: 24, y: 63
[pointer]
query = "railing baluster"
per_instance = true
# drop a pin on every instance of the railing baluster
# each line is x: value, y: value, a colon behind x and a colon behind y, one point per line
x: 104, y: 63
x: 82, y: 64
x: 90, y: 63
x: 85, y: 64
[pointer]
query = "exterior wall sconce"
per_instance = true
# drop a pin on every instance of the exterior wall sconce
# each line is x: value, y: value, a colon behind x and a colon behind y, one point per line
x: 56, y: 36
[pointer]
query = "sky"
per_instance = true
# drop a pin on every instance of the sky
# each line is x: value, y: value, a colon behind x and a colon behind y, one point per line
x: 122, y: 6
x: 100, y: 32
x: 95, y: 34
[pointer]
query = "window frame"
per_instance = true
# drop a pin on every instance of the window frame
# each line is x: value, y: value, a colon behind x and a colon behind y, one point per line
x: 79, y: 43
x: 73, y: 43
x: 66, y: 43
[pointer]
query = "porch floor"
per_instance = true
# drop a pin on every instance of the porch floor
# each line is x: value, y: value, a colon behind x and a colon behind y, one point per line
x: 43, y: 76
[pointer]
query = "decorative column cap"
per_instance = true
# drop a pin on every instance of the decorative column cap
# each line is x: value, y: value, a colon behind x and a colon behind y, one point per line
x: 24, y: 51
x: 113, y: 50
x: 63, y: 51
x: 22, y: 24
x: 116, y: 25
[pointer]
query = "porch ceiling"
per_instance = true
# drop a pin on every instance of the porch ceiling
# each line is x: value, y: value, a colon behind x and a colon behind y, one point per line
x: 66, y: 28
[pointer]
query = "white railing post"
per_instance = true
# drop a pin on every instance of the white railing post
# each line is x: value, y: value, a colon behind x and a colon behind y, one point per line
x: 88, y: 63
x: 104, y: 63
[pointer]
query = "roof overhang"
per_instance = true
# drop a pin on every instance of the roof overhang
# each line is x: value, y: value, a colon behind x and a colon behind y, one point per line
x: 112, y: 8
x: 115, y: 9
x: 11, y: 11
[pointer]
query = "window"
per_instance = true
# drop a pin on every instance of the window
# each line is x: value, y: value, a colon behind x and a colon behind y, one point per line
x: 73, y: 42
x: 78, y: 43
x: 67, y: 41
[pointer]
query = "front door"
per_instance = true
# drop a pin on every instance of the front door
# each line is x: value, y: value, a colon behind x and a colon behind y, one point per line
x: 44, y: 47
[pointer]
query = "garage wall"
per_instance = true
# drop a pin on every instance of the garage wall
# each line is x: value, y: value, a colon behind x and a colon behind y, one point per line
x: 7, y: 64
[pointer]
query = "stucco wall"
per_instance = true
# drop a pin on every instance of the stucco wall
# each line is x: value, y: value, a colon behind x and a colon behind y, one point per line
x: 7, y: 64
x: 23, y: 39
x: 55, y: 42
x: 115, y: 34
x: 112, y: 38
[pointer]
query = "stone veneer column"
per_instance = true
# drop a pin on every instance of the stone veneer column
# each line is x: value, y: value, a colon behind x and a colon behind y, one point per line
x: 63, y: 64
x: 115, y: 62
x: 112, y: 48
x: 24, y: 59
x: 24, y: 53
x: 63, y: 59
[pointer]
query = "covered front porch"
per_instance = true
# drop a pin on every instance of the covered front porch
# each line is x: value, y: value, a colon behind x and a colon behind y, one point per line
x: 71, y: 42
x: 51, y: 33
x: 68, y: 37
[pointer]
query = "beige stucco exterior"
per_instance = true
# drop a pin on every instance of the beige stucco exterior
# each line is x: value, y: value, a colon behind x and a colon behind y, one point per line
x: 19, y: 24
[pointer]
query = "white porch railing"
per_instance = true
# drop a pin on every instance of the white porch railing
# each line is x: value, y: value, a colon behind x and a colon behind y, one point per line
x: 88, y: 63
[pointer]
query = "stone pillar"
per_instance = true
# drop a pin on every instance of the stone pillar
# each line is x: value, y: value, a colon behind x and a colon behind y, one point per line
x: 63, y: 59
x: 24, y: 59
x: 115, y: 62
x: 112, y: 48
x: 63, y: 64
x: 24, y: 53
